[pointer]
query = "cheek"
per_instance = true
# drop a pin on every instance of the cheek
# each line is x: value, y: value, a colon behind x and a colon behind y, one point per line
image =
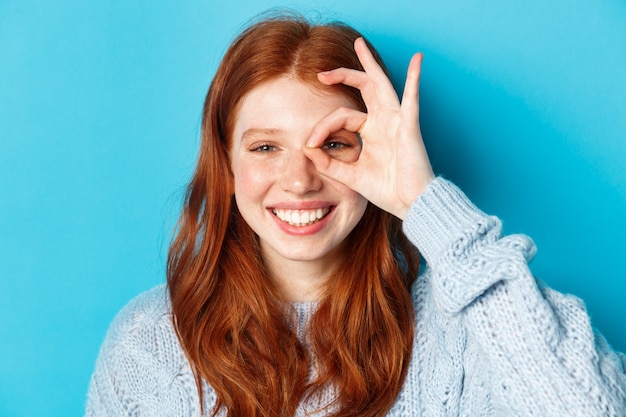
x: 355, y: 201
x: 250, y: 181
x: 360, y: 205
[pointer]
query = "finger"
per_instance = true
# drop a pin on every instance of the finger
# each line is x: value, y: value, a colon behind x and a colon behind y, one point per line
x: 370, y: 65
x: 372, y: 82
x: 353, y: 78
x: 342, y: 118
x: 335, y: 169
x: 410, y: 96
x: 370, y: 91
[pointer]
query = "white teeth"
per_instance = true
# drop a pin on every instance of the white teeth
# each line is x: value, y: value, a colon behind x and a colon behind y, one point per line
x: 301, y: 217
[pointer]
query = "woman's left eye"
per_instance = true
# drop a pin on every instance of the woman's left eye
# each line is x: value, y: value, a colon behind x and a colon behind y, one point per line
x: 334, y: 145
x: 344, y: 148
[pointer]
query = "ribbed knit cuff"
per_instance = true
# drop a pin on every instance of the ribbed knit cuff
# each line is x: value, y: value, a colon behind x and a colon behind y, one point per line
x: 438, y: 216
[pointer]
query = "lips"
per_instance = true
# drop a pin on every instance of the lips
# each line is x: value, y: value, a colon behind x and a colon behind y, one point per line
x: 301, y: 217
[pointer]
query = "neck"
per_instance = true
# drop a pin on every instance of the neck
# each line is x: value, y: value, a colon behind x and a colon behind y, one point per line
x: 299, y: 281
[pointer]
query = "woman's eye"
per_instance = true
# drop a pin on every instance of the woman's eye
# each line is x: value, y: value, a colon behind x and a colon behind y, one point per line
x: 263, y: 148
x: 334, y: 146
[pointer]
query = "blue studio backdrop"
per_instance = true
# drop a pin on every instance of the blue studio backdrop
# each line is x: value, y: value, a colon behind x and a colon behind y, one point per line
x: 523, y: 104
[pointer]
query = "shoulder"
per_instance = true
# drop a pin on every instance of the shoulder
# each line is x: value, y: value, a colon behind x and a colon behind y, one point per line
x: 140, y: 361
x: 144, y: 330
x: 142, y: 318
x: 142, y: 339
x: 150, y: 305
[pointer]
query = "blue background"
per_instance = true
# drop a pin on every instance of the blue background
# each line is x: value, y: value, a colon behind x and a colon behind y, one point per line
x: 523, y: 105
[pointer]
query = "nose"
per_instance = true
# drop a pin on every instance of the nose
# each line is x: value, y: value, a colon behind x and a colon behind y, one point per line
x: 299, y: 175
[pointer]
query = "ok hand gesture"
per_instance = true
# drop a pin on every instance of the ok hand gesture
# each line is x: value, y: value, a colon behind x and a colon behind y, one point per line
x: 393, y: 167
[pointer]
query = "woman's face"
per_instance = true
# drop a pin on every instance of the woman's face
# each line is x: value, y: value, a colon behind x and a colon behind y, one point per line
x: 299, y: 215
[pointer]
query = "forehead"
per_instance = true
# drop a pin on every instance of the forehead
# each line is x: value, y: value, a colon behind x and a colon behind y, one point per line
x: 284, y: 103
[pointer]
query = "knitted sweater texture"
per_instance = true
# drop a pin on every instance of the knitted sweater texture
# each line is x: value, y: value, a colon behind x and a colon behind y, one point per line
x: 489, y: 340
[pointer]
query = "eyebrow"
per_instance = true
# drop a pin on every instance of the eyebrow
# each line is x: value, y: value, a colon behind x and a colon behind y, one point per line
x: 270, y: 131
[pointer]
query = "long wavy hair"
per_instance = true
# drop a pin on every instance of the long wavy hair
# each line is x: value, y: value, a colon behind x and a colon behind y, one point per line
x: 235, y: 329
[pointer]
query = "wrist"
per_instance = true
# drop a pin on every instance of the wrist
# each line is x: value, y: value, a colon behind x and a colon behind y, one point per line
x: 413, y: 193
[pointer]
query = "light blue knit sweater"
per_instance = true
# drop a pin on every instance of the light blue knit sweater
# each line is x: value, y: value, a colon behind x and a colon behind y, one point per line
x: 489, y: 341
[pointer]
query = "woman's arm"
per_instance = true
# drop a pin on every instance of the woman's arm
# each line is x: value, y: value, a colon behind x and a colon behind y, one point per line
x: 543, y: 355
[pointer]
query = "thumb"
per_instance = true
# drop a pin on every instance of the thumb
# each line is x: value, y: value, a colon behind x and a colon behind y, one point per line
x: 333, y: 168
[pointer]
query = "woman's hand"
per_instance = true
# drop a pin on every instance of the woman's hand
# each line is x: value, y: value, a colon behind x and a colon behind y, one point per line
x: 393, y: 167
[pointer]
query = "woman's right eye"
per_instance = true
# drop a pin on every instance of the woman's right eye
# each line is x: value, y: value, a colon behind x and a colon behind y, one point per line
x: 265, y: 147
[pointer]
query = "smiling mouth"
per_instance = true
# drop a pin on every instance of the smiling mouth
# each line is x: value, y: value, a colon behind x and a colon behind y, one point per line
x: 301, y: 217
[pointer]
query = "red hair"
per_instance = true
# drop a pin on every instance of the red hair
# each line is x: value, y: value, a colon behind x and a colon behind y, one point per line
x: 234, y: 327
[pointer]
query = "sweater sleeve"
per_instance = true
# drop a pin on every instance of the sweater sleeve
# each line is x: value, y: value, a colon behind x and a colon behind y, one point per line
x: 544, y: 357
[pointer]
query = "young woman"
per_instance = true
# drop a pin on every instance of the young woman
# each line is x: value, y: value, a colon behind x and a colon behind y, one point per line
x: 293, y: 284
